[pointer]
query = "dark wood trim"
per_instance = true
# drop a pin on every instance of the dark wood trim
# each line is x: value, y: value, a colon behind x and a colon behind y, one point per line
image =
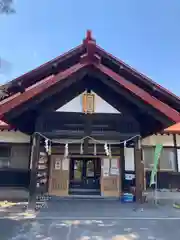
x: 11, y: 144
x: 14, y: 177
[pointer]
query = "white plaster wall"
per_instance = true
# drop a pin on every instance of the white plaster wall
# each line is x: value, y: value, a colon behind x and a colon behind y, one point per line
x: 13, y: 137
x: 178, y: 150
x: 178, y: 156
x: 166, y: 140
x: 101, y: 106
x: 178, y: 140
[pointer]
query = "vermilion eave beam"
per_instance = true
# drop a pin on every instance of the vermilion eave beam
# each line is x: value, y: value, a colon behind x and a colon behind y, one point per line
x: 146, y: 97
x: 12, y: 102
x: 44, y: 66
x: 134, y: 72
x: 9, y: 104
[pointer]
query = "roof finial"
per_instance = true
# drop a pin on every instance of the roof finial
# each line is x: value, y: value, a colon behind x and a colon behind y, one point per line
x: 90, y: 47
x: 89, y: 35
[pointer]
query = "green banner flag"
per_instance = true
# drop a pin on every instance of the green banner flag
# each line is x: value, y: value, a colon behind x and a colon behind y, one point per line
x: 157, y: 153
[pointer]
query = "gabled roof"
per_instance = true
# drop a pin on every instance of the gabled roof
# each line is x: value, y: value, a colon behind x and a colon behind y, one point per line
x: 72, y: 56
x: 88, y: 59
x: 4, y: 126
x: 173, y: 129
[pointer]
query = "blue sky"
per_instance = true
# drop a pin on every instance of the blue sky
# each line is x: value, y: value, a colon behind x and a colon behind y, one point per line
x: 144, y: 34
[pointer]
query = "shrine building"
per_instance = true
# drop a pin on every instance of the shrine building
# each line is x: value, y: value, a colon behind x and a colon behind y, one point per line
x: 86, y: 123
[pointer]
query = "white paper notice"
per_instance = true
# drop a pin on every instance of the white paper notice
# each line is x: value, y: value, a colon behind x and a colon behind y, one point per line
x: 114, y: 163
x: 129, y: 176
x: 105, y: 172
x: 57, y: 164
x: 65, y: 164
x: 106, y: 163
x: 114, y: 171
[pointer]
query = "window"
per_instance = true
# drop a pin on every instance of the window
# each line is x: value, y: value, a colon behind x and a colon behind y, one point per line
x: 167, y: 159
x: 5, y: 155
x: 148, y: 155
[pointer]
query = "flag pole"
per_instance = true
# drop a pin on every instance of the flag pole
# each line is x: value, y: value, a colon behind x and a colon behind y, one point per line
x: 153, y: 178
x: 155, y: 191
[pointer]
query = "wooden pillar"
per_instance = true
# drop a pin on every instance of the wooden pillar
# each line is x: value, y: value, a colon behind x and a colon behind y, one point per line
x: 30, y: 152
x: 122, y: 167
x: 175, y: 151
x: 35, y: 149
x: 139, y: 171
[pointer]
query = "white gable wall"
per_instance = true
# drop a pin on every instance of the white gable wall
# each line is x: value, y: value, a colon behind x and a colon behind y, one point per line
x: 75, y: 105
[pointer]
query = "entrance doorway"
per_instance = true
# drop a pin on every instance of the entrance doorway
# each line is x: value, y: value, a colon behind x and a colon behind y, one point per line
x: 85, y: 176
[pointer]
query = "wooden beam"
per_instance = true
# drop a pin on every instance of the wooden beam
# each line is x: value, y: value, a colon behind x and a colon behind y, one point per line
x: 33, y: 170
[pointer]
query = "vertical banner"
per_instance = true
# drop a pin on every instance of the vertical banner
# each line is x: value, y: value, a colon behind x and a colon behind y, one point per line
x: 157, y: 154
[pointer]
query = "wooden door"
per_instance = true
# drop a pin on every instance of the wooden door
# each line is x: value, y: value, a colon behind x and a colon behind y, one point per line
x: 59, y: 176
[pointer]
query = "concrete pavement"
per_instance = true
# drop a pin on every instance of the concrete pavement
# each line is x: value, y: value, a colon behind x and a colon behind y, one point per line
x: 89, y: 229
x: 92, y: 219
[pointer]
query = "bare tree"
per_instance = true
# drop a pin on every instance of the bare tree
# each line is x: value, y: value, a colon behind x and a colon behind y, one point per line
x: 6, y: 7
